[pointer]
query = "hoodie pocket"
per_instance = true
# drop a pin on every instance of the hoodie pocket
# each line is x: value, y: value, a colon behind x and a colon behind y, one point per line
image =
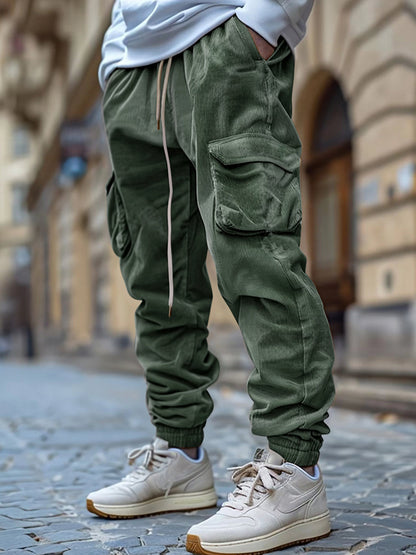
x: 256, y: 184
x: 117, y: 219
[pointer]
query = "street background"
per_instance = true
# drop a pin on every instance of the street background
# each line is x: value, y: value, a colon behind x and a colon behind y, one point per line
x: 61, y: 292
x: 71, y: 390
x: 65, y: 432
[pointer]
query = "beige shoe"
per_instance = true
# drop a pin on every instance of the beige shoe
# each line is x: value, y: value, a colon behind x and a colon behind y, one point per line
x: 275, y: 504
x: 167, y: 481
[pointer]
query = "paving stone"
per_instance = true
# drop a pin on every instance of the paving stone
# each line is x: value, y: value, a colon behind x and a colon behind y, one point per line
x: 174, y: 529
x: 126, y: 542
x: 13, y: 539
x: 394, y: 496
x: 391, y: 524
x: 289, y: 551
x: 66, y: 535
x: 9, y: 524
x: 159, y: 539
x: 353, y: 506
x: 66, y: 443
x: 60, y: 525
x: 86, y: 548
x: 146, y: 550
x: 49, y: 549
x: 345, y: 540
x: 322, y: 552
x: 389, y: 545
x: 399, y: 510
x: 21, y: 514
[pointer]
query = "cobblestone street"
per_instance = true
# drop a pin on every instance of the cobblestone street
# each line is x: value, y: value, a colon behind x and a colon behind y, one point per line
x: 64, y: 432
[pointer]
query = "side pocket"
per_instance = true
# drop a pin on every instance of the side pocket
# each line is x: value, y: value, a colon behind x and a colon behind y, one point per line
x: 281, y: 51
x: 116, y: 218
x: 256, y: 184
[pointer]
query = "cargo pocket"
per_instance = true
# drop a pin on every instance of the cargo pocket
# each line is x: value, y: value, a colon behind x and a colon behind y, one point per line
x: 256, y: 184
x: 117, y: 220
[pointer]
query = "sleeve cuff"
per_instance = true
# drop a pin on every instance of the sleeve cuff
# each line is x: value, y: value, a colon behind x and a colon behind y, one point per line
x: 266, y: 17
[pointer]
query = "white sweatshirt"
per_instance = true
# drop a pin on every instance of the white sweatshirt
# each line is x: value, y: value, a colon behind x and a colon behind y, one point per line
x: 143, y: 32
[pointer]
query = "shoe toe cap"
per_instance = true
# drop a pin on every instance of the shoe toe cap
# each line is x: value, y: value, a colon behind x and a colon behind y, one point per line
x: 220, y: 528
x: 111, y: 496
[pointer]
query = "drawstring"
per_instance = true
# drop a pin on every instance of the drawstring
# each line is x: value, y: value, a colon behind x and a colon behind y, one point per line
x: 161, y: 116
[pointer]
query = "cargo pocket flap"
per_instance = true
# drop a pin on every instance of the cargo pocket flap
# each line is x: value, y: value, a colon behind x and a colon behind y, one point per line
x: 256, y: 184
x: 252, y: 147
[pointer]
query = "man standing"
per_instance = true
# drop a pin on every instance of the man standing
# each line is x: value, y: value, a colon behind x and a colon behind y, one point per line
x: 197, y: 106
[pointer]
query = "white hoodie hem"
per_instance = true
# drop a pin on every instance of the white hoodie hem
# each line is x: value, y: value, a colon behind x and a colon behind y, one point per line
x: 266, y: 17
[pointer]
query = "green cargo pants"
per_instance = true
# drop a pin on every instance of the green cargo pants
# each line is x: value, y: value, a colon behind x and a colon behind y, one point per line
x: 234, y: 154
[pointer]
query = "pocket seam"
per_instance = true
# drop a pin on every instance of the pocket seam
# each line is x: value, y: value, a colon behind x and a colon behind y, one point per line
x: 119, y: 232
x: 110, y: 184
x: 250, y: 47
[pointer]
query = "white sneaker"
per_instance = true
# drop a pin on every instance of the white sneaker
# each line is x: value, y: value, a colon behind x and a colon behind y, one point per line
x: 167, y: 481
x: 275, y: 504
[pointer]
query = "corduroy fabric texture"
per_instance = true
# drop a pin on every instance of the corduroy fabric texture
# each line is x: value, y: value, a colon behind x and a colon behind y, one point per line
x: 235, y: 157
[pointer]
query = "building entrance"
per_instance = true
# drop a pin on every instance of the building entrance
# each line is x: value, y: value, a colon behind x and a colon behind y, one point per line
x: 331, y: 207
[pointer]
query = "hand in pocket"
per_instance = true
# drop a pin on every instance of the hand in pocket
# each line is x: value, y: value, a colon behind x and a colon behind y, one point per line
x: 265, y: 48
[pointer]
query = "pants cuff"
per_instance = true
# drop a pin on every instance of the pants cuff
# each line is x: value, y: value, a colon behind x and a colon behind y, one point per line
x: 183, y: 438
x: 301, y: 453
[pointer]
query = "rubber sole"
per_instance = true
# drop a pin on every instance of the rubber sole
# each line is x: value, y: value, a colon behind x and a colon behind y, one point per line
x: 253, y: 546
x: 171, y: 504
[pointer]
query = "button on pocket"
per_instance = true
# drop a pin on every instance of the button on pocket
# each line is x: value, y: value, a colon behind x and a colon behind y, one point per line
x: 117, y: 220
x: 256, y: 184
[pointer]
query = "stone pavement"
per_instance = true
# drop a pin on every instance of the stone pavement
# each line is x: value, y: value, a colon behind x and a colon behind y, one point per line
x: 64, y: 432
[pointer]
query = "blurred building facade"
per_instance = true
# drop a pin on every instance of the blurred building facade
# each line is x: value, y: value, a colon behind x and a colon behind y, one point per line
x: 16, y: 163
x: 355, y: 106
x: 51, y: 53
x: 355, y: 110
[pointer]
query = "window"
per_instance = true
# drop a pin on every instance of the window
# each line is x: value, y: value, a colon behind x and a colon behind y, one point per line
x: 19, y: 211
x: 20, y: 142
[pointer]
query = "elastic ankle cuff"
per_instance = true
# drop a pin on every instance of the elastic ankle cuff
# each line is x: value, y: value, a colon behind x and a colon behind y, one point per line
x: 183, y: 438
x: 301, y: 453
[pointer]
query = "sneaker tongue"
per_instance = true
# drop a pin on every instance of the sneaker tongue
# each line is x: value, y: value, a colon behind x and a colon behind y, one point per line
x: 275, y: 458
x: 160, y: 444
x: 269, y: 456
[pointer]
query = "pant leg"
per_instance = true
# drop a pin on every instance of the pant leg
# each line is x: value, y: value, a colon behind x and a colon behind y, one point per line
x: 247, y: 158
x: 173, y: 351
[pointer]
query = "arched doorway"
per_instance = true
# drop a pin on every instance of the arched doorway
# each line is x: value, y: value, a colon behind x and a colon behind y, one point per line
x: 330, y: 217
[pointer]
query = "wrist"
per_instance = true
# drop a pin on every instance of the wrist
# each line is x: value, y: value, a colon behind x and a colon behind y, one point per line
x: 263, y: 46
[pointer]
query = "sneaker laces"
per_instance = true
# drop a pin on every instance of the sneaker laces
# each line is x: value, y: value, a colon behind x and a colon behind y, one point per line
x: 253, y: 480
x: 153, y: 460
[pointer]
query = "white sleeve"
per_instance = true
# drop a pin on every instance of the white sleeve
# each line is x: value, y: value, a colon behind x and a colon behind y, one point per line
x: 112, y: 50
x: 273, y: 18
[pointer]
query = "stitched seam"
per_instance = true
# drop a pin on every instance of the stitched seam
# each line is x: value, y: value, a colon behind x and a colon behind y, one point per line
x: 194, y: 350
x: 253, y: 52
x: 270, y: 111
x: 300, y: 406
x: 187, y: 235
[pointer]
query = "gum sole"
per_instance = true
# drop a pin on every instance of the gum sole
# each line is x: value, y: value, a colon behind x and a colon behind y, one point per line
x: 193, y: 545
x: 91, y: 508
